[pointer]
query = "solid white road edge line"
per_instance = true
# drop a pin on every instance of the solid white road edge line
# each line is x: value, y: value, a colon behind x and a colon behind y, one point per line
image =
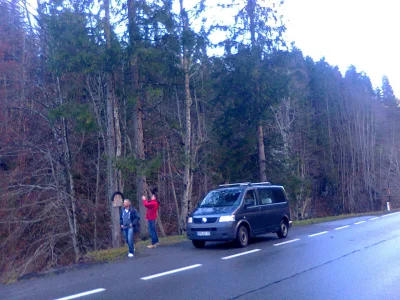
x: 171, y: 272
x: 343, y: 227
x: 291, y: 241
x: 240, y: 254
x: 390, y: 214
x: 373, y: 219
x: 357, y: 223
x: 319, y: 233
x: 82, y: 294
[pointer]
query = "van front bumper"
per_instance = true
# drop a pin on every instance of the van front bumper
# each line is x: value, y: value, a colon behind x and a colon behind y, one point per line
x: 218, y: 231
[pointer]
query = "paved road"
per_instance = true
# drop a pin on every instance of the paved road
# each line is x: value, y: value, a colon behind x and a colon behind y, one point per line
x: 356, y: 258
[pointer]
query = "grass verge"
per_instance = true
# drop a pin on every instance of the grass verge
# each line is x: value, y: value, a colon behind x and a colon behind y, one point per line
x: 110, y: 255
x: 339, y: 217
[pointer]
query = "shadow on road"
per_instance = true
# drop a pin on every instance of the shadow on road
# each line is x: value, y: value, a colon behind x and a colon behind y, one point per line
x: 233, y: 244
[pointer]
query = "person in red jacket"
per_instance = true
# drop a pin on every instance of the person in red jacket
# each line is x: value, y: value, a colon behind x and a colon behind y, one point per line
x: 151, y: 216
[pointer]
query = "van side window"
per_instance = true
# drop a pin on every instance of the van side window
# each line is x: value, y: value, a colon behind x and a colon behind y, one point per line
x: 250, y: 197
x: 265, y: 196
x: 278, y: 196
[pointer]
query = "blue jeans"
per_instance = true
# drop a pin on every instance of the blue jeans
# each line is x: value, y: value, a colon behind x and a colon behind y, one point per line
x: 153, y: 232
x: 128, y: 233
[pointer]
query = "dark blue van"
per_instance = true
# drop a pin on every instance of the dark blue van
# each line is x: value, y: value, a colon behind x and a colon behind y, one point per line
x: 239, y: 211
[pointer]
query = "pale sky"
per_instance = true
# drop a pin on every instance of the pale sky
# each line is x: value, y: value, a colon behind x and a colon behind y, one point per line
x: 363, y: 33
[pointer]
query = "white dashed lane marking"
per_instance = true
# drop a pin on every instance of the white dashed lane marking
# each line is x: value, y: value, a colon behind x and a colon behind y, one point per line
x: 343, y: 227
x: 170, y: 272
x: 82, y: 294
x: 240, y: 254
x: 373, y: 219
x: 358, y: 223
x: 291, y: 241
x: 319, y: 233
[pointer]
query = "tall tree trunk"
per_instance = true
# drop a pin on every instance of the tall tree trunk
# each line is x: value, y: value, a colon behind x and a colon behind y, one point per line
x: 97, y: 101
x: 172, y: 184
x: 250, y: 7
x: 187, y: 174
x: 97, y: 192
x: 161, y: 187
x: 71, y: 193
x: 261, y: 153
x: 138, y: 113
x: 118, y: 142
x: 111, y: 138
x: 69, y: 196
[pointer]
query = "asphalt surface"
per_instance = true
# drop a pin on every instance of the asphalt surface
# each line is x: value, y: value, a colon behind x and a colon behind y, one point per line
x: 357, y: 258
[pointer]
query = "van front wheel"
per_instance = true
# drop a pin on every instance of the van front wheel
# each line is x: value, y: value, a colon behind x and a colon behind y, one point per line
x: 242, y: 236
x: 283, y: 230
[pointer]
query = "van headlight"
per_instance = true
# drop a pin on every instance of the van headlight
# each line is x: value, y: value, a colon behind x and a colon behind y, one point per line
x: 190, y: 220
x: 227, y: 218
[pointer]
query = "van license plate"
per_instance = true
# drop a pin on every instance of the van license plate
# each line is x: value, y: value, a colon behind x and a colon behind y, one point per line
x: 203, y: 233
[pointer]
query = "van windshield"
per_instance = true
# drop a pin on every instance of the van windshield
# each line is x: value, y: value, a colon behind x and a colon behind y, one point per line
x: 221, y: 198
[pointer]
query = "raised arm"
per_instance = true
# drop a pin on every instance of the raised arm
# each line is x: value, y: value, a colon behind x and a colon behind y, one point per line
x: 148, y: 204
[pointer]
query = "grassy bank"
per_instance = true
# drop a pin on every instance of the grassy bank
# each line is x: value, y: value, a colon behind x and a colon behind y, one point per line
x: 339, y: 217
x: 110, y: 255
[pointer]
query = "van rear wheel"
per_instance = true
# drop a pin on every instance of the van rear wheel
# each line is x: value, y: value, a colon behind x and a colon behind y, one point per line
x: 242, y: 237
x: 283, y: 230
x: 198, y: 244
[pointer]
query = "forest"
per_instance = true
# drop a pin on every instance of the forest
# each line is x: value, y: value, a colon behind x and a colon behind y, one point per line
x: 136, y: 96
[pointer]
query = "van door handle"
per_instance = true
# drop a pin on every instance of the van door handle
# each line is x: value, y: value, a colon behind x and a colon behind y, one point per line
x: 259, y: 208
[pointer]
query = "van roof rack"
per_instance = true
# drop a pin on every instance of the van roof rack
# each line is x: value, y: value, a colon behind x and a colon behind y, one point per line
x: 235, y: 184
x: 261, y: 183
x: 245, y: 183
